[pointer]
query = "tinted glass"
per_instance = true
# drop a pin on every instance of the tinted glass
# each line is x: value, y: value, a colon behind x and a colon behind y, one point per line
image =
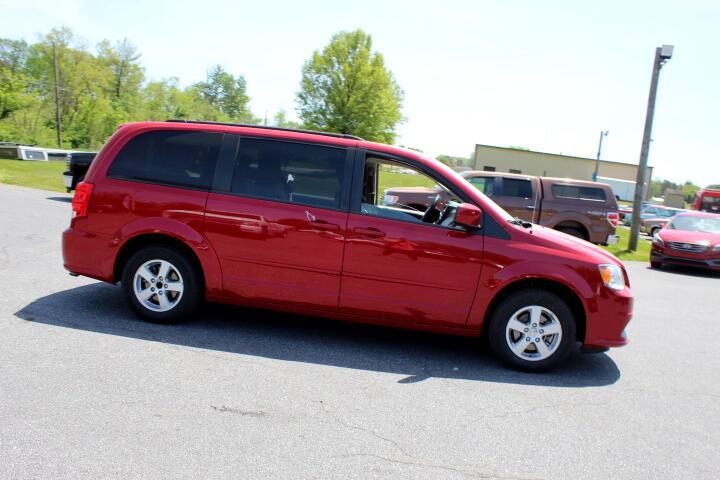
x: 513, y: 187
x: 169, y: 157
x: 484, y: 184
x: 290, y: 172
x: 578, y: 192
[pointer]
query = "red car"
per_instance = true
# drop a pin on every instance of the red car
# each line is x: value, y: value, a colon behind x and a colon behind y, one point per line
x: 689, y: 239
x: 181, y: 212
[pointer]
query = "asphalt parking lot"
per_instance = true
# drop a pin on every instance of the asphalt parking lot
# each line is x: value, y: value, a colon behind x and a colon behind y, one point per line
x: 89, y: 391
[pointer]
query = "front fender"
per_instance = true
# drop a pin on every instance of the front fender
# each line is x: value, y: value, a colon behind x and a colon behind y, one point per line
x: 495, y: 277
x: 182, y: 232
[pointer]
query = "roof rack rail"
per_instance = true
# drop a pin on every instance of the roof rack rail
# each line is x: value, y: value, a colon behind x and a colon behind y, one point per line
x: 266, y: 127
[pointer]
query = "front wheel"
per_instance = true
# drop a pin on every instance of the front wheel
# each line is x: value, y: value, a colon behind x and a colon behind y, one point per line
x: 532, y: 330
x: 161, y: 284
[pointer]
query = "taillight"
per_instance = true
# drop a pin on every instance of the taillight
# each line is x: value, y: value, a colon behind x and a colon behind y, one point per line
x: 390, y: 199
x: 613, y: 218
x: 81, y: 200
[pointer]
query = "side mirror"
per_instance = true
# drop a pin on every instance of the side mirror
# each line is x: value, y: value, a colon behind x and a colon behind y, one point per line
x: 468, y: 215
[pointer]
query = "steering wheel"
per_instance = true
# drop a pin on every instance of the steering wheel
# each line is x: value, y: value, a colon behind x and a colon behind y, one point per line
x: 432, y: 214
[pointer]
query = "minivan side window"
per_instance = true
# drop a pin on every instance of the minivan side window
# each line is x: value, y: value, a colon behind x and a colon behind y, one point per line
x: 290, y: 172
x: 169, y: 157
x: 579, y: 193
x: 514, y: 187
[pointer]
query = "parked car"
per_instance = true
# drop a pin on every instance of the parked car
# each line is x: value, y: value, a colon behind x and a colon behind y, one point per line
x: 691, y: 238
x: 165, y: 206
x: 78, y: 164
x: 654, y: 211
x: 653, y: 225
x: 586, y: 210
x: 707, y: 200
x: 623, y: 211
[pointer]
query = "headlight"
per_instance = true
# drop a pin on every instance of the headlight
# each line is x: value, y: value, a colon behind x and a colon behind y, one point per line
x: 612, y: 276
x: 657, y: 240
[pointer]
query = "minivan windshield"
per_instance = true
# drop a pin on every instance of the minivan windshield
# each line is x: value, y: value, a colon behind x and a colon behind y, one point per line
x: 695, y: 224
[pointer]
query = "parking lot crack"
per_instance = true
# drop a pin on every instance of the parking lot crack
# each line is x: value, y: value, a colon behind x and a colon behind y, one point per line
x: 465, y: 473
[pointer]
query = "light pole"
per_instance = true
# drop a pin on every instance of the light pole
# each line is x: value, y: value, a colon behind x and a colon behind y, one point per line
x: 603, y: 134
x: 662, y: 55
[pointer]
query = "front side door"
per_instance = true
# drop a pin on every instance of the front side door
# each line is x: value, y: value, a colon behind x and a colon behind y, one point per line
x: 398, y: 266
x: 277, y: 221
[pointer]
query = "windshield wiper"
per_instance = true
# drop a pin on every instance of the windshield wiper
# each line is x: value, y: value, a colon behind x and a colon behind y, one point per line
x: 519, y: 221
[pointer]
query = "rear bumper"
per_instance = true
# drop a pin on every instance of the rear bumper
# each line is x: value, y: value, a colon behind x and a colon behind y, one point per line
x: 664, y: 257
x: 605, y: 327
x: 68, y: 179
x: 88, y: 254
x: 612, y: 239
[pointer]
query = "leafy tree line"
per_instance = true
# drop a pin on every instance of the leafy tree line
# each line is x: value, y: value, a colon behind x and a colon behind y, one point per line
x: 345, y: 88
x: 98, y: 90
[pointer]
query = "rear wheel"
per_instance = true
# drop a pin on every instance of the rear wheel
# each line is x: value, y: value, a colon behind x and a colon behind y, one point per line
x: 575, y: 232
x: 161, y: 284
x: 654, y: 264
x: 532, y: 330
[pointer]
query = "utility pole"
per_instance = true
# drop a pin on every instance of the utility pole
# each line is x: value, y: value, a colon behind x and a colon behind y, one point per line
x: 57, y: 96
x: 597, y: 161
x: 662, y: 55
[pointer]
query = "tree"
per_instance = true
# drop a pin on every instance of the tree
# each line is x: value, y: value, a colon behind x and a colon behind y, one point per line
x: 122, y: 60
x: 227, y: 94
x: 280, y: 120
x: 456, y: 162
x: 347, y: 89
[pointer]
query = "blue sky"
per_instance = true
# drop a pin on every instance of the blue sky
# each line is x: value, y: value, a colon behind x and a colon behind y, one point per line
x: 546, y: 75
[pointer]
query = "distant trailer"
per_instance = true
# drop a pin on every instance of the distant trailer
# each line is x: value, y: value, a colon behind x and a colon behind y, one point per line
x: 623, y: 189
x: 16, y: 151
x: 23, y: 152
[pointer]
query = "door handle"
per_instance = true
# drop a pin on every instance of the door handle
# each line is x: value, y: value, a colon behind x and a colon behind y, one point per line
x: 324, y: 225
x: 530, y: 207
x: 369, y: 232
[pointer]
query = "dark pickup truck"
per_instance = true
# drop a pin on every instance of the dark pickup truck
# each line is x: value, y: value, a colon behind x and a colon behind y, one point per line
x: 77, y: 166
x: 586, y: 210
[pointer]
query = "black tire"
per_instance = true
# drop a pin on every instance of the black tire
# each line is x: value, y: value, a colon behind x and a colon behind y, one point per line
x: 498, y: 335
x: 575, y: 232
x: 190, y: 280
x: 655, y: 265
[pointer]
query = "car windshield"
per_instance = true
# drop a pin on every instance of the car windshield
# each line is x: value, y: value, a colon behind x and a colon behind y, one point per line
x: 696, y: 224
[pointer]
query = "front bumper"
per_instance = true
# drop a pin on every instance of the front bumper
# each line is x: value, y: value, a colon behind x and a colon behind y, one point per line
x: 607, y: 319
x: 659, y: 256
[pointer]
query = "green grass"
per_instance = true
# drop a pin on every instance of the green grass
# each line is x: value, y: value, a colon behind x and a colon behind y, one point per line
x: 389, y: 179
x: 620, y: 249
x: 43, y: 175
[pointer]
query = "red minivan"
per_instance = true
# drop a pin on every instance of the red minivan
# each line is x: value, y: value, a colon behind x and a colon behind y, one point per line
x: 181, y: 212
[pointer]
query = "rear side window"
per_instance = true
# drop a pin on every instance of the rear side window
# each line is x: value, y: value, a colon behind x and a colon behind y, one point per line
x: 290, y: 172
x: 179, y: 158
x: 513, y: 187
x: 579, y: 193
x: 485, y: 184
